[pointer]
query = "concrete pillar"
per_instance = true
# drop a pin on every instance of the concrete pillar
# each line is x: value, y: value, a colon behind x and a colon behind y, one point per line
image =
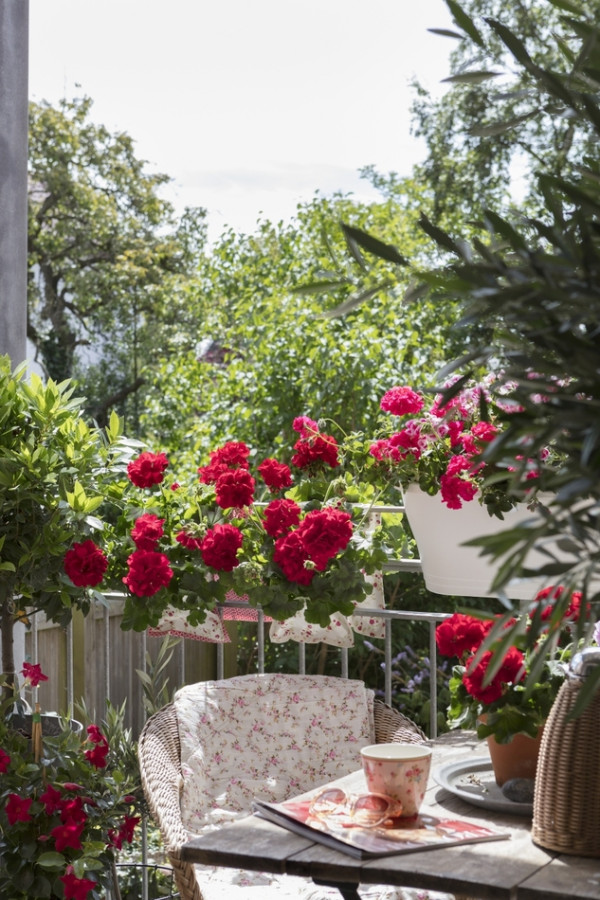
x: 14, y: 59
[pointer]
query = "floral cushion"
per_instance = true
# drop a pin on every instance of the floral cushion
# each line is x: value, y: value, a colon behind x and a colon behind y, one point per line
x: 267, y: 736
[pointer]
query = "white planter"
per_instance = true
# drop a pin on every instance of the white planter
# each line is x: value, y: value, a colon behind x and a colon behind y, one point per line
x: 448, y: 567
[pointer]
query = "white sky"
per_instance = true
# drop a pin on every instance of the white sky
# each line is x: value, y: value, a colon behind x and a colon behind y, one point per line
x: 249, y: 105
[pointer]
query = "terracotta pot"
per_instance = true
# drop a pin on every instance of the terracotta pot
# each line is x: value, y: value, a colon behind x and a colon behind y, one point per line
x: 517, y: 759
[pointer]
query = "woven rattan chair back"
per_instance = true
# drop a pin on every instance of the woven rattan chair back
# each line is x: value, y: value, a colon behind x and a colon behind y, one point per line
x: 160, y: 768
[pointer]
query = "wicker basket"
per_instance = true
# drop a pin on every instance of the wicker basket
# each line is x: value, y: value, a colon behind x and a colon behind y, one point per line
x: 566, y: 807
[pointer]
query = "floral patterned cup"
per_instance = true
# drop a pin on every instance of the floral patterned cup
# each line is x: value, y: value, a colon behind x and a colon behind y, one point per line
x: 400, y: 771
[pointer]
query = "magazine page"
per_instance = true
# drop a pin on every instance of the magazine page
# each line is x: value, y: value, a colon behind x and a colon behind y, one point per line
x: 394, y: 835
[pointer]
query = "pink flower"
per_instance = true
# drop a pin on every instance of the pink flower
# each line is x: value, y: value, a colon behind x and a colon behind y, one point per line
x: 401, y: 400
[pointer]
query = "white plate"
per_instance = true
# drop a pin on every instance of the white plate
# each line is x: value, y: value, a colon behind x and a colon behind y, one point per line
x: 474, y: 781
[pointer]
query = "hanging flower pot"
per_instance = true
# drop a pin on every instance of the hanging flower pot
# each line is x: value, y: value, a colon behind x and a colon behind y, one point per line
x: 448, y: 566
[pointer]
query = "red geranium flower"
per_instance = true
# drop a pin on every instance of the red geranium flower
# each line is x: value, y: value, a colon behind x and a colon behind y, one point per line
x: 76, y: 888
x: 17, y: 809
x: 401, y: 400
x: 291, y: 555
x: 33, y: 673
x: 148, y: 573
x: 280, y: 516
x: 235, y: 489
x: 85, y: 564
x: 324, y: 533
x: 510, y: 672
x: 147, y: 531
x: 454, y: 489
x: 148, y: 469
x: 188, y: 540
x: 220, y: 545
x: 319, y: 448
x: 232, y: 455
x: 305, y: 426
x: 460, y: 634
x: 277, y: 476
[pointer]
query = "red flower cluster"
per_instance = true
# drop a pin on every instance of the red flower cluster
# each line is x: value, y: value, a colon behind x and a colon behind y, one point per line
x: 232, y: 455
x: 313, y: 449
x: 4, y: 761
x: 280, y: 516
x: 234, y: 489
x: 33, y: 673
x: 276, y: 475
x: 148, y: 469
x: 461, y: 636
x: 573, y: 610
x: 220, y: 546
x: 97, y: 755
x: 401, y: 400
x: 445, y: 437
x: 149, y: 571
x: 319, y: 538
x: 85, y: 564
x: 147, y: 531
x: 124, y: 832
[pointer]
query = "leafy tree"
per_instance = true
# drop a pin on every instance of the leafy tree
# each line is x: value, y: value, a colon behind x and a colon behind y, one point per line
x: 105, y: 254
x: 269, y: 306
x: 489, y: 138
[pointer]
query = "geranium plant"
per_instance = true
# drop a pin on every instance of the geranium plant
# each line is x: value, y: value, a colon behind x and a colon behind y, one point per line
x: 65, y: 815
x: 495, y: 661
x: 441, y: 446
x: 284, y: 536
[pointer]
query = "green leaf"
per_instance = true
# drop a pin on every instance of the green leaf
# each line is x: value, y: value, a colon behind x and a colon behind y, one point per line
x: 51, y: 860
x: 471, y: 77
x: 445, y: 32
x: 465, y: 22
x: 373, y: 245
x: 439, y: 236
x: 500, y: 127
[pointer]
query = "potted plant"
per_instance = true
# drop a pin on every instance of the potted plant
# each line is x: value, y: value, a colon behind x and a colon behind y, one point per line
x: 283, y: 537
x: 489, y: 689
x: 68, y: 803
x: 451, y: 493
x: 53, y: 473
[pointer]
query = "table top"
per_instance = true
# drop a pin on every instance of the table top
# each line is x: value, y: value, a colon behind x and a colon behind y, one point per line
x: 515, y: 869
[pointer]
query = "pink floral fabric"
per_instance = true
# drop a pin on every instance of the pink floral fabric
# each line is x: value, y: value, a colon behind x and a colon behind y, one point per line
x: 175, y: 622
x: 266, y: 736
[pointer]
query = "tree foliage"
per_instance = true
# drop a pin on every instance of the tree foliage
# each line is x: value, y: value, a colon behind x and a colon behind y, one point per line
x: 105, y: 254
x: 277, y: 346
x: 503, y: 123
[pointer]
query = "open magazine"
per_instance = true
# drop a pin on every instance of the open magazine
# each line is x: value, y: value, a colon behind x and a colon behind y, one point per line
x: 395, y: 835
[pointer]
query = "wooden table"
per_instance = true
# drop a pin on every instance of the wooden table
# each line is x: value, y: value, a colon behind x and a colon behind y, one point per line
x: 514, y: 869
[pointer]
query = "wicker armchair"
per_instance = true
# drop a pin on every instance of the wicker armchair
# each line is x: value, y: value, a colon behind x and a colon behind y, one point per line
x: 159, y: 757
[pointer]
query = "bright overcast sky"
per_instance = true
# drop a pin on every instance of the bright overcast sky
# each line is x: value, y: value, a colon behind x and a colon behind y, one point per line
x: 249, y: 105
